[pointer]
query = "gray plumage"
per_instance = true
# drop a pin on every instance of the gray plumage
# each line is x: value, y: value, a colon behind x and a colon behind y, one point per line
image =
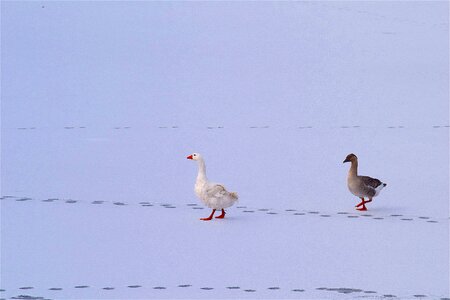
x: 364, y: 186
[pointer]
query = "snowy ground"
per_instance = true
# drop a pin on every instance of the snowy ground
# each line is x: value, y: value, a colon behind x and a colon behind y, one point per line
x: 102, y: 102
x: 123, y: 251
x: 138, y: 227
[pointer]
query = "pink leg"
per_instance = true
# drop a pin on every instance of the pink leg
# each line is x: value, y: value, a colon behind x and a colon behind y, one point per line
x: 210, y: 216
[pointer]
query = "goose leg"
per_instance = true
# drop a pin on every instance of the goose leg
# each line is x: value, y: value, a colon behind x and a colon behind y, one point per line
x: 370, y: 200
x: 210, y: 216
x: 222, y: 215
x: 361, y: 203
x: 363, y: 208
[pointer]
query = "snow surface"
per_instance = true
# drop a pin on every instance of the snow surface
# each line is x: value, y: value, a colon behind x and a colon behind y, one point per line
x: 103, y: 101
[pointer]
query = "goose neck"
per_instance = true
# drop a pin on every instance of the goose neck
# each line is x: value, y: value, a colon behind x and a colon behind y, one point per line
x: 353, y: 169
x: 201, y: 170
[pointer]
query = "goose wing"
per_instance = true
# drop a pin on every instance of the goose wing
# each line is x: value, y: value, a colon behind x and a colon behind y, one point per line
x: 369, y: 185
x: 371, y: 182
x: 216, y: 190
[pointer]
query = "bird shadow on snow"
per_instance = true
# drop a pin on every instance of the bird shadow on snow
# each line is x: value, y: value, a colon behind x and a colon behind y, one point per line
x: 232, y: 219
x: 387, y: 209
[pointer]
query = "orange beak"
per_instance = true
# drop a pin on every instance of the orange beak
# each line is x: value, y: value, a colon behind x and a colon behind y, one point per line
x: 189, y: 157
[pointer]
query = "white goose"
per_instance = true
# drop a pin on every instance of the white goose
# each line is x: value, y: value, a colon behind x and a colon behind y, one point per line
x: 362, y: 186
x: 213, y: 195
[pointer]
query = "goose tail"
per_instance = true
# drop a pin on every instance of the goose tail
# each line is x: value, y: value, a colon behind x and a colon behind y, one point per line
x: 379, y: 188
x: 234, y: 195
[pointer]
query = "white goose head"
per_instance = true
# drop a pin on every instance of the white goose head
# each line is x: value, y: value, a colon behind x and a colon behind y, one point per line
x: 194, y: 156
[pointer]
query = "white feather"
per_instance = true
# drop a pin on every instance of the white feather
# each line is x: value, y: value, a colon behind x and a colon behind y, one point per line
x: 213, y: 195
x: 379, y: 188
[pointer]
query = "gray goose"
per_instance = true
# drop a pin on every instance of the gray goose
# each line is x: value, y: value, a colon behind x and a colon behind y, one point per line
x: 362, y: 186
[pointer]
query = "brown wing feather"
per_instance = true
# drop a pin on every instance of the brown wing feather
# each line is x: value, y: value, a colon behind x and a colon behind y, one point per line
x: 369, y: 181
x: 368, y: 191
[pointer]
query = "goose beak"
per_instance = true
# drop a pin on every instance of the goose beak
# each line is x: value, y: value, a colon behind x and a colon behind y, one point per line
x: 189, y: 157
x: 346, y: 160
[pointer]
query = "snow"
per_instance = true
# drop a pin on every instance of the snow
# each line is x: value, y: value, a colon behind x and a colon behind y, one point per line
x: 107, y: 245
x: 102, y: 102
